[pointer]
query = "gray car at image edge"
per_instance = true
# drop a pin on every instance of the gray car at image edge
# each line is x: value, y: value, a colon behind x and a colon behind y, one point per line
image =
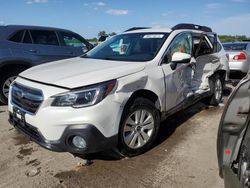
x: 233, y: 142
x: 22, y: 47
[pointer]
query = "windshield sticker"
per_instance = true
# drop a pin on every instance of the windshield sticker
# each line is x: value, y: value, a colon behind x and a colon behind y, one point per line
x: 153, y: 36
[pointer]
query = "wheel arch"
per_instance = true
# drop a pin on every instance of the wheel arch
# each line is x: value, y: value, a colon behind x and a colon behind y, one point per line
x: 14, y: 64
x: 144, y: 93
x: 150, y: 98
x: 221, y: 72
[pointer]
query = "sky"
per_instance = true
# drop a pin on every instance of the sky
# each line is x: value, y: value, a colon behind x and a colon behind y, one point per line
x: 89, y: 17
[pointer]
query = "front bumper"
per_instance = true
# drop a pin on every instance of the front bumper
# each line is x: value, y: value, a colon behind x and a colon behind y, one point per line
x: 98, y: 124
x: 95, y: 140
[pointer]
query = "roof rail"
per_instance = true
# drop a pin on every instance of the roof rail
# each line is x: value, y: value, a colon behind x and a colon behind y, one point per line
x: 136, y: 28
x: 192, y: 26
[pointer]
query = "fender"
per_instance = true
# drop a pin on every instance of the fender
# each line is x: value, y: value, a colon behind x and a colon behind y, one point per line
x: 15, y: 62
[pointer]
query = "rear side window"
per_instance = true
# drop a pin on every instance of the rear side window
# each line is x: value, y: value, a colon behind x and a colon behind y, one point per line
x: 203, y: 46
x: 17, y: 37
x: 27, y: 38
x: 70, y: 39
x: 219, y: 47
x: 212, y: 40
x: 44, y: 37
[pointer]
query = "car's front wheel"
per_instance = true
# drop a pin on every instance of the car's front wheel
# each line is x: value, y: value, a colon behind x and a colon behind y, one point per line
x: 139, y: 127
x: 5, y: 82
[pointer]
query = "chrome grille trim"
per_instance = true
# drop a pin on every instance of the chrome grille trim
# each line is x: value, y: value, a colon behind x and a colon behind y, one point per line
x: 26, y: 98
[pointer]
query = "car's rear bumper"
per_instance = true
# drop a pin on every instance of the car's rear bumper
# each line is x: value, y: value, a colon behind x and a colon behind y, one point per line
x: 239, y: 66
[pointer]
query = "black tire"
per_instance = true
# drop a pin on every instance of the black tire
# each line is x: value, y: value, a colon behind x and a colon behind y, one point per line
x: 139, y: 104
x: 244, y: 165
x: 4, y: 77
x: 214, y: 100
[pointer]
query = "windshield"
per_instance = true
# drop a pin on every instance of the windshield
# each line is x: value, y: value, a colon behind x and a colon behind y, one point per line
x: 235, y: 46
x: 129, y: 47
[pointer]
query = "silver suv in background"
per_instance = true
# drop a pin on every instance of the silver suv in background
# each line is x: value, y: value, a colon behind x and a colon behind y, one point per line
x: 239, y: 56
x: 22, y: 47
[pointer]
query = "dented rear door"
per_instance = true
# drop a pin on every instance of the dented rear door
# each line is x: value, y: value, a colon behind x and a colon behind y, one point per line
x: 207, y: 60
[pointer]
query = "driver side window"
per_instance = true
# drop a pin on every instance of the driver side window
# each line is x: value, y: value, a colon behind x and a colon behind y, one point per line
x: 182, y: 43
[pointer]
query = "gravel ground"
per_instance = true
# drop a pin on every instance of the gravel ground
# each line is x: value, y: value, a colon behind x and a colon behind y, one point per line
x: 183, y: 156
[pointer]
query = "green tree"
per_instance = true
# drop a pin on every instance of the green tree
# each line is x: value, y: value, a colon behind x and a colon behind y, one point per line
x: 230, y: 38
x: 93, y: 39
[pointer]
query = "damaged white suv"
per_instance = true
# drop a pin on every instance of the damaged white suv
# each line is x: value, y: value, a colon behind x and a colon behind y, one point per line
x: 116, y: 95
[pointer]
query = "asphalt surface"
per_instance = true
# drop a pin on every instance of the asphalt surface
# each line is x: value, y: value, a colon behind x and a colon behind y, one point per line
x: 183, y: 156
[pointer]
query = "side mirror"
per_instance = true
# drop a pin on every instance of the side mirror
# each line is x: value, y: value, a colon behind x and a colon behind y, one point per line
x: 179, y: 57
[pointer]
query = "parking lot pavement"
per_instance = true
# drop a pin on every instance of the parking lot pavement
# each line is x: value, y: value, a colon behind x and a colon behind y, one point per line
x: 184, y: 156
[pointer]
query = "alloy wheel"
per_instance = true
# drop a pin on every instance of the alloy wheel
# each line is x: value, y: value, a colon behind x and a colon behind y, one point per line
x: 6, y: 86
x: 138, y: 129
x: 218, y: 90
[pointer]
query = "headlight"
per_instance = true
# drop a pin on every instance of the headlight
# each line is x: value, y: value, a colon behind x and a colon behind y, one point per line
x: 87, y: 96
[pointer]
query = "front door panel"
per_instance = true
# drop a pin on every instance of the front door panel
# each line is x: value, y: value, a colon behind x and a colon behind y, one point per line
x: 177, y: 84
x: 178, y: 80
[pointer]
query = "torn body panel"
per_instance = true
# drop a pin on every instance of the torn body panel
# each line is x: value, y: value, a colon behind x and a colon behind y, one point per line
x: 202, y: 71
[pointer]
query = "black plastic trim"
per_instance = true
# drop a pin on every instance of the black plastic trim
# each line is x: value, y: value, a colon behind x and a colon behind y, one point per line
x: 192, y: 26
x: 95, y: 140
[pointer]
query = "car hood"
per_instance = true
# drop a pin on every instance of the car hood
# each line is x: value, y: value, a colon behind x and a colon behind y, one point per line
x: 77, y: 72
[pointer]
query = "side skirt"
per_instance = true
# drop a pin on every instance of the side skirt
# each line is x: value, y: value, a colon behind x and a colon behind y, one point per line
x: 185, y: 104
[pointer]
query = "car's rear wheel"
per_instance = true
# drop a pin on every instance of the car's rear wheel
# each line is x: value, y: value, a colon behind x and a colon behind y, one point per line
x: 5, y: 82
x: 216, y: 87
x: 139, y: 127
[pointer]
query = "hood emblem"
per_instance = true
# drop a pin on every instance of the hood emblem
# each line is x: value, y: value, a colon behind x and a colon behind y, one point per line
x: 20, y: 94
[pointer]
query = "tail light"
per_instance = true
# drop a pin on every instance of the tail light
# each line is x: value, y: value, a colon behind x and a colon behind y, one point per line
x: 241, y: 56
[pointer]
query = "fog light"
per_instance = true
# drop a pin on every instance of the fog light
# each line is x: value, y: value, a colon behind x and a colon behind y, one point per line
x: 79, y: 142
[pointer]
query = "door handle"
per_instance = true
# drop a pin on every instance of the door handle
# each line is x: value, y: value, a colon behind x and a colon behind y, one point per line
x: 33, y: 51
x: 70, y: 52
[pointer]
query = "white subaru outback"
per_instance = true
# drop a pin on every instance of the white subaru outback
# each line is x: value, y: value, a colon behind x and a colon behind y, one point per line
x: 116, y: 95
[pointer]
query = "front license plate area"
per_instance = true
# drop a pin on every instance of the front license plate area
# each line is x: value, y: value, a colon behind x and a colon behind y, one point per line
x: 19, y: 117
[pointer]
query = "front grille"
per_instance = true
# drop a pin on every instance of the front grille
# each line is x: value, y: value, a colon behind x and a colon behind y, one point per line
x: 26, y: 98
